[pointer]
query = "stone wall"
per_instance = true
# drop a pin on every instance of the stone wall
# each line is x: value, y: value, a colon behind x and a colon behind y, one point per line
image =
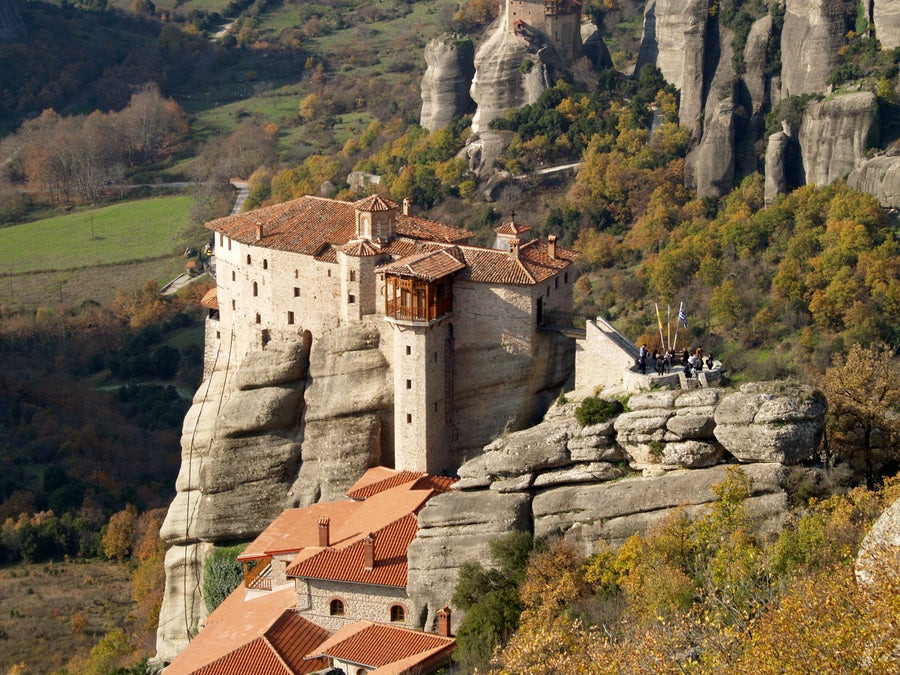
x: 361, y: 602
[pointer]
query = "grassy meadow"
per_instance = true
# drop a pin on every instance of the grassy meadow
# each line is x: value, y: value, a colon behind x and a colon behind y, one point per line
x: 91, y: 254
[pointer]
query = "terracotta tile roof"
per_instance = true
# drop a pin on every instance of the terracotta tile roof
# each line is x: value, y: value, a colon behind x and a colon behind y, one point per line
x: 210, y: 300
x: 312, y: 225
x: 380, y: 479
x: 533, y: 265
x: 429, y: 266
x: 361, y: 248
x: 376, y: 645
x: 375, y: 203
x: 430, y: 230
x: 260, y: 635
x: 511, y: 228
x: 347, y: 563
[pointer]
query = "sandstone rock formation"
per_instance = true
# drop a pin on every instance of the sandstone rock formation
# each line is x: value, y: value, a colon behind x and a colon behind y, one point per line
x: 714, y: 168
x: 674, y: 40
x: 835, y: 134
x: 755, y: 63
x: 450, y: 67
x: 771, y: 422
x: 886, y: 16
x: 814, y: 31
x: 559, y: 479
x: 879, y: 176
x: 12, y: 28
x: 502, y: 78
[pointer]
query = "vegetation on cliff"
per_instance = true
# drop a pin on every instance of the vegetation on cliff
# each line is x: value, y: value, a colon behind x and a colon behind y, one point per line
x: 708, y: 594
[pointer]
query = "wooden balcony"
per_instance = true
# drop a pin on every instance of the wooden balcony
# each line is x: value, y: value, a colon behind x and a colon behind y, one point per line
x: 259, y: 576
x: 417, y: 300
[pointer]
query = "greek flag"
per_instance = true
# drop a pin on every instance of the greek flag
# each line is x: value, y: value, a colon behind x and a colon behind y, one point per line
x: 682, y: 317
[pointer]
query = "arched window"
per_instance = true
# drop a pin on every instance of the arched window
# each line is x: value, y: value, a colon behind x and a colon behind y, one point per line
x: 248, y: 258
x: 336, y: 607
x: 255, y: 289
x: 265, y: 264
x: 398, y: 614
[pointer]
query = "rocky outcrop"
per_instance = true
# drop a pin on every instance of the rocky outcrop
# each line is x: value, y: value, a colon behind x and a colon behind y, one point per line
x: 771, y: 422
x: 510, y: 71
x: 755, y: 63
x: 594, y: 47
x: 559, y: 479
x: 886, y: 17
x: 343, y: 433
x: 182, y: 609
x: 450, y: 67
x: 814, y: 31
x: 12, y: 28
x: 879, y: 176
x: 880, y: 550
x: 835, y: 134
x: 776, y: 161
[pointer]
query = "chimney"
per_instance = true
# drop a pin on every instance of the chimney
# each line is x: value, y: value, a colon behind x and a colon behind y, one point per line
x: 407, y: 206
x: 551, y: 246
x: 369, y: 552
x: 514, y: 247
x: 259, y: 231
x: 443, y: 622
x: 324, y: 531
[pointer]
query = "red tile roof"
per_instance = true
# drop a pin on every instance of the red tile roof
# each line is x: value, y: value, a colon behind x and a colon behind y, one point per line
x: 361, y: 249
x: 382, y: 478
x: 429, y: 266
x: 430, y: 230
x: 511, y: 228
x: 347, y: 563
x: 375, y: 203
x: 259, y: 635
x: 376, y: 645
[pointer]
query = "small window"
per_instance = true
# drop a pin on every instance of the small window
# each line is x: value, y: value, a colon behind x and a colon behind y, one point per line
x: 556, y: 282
x: 265, y: 264
x: 409, y: 418
x: 233, y: 305
x: 221, y: 238
x: 566, y: 278
x: 248, y: 258
x: 255, y: 289
x: 329, y: 273
x: 290, y: 318
x: 218, y: 335
x: 398, y: 614
x: 548, y: 291
x: 409, y: 384
x: 233, y: 277
x: 435, y: 357
x: 296, y: 274
x: 229, y: 243
x: 351, y: 299
x: 296, y: 292
x: 408, y: 350
x: 435, y: 406
x: 258, y: 318
x: 352, y: 275
x: 336, y: 607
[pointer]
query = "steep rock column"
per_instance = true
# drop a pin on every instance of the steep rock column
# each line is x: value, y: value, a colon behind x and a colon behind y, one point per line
x: 886, y: 16
x: 814, y: 31
x: 450, y: 67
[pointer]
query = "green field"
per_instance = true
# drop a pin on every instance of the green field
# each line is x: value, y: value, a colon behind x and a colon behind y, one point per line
x: 124, y: 232
x: 92, y: 254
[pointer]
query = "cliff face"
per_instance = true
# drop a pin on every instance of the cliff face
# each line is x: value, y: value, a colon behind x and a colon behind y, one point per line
x: 835, y: 133
x: 559, y: 479
x: 886, y: 17
x: 879, y: 176
x: 12, y: 28
x: 814, y: 31
x: 450, y: 67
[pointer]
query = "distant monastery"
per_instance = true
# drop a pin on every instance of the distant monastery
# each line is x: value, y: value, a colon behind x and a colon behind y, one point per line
x: 461, y: 325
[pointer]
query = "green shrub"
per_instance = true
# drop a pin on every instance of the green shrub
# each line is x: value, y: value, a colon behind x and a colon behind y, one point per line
x: 594, y: 410
x: 222, y: 573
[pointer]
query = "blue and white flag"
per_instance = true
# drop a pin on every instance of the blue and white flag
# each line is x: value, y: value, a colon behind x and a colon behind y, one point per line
x: 682, y: 317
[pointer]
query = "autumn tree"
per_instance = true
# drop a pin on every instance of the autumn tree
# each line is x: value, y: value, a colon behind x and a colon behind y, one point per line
x: 119, y: 534
x: 863, y: 422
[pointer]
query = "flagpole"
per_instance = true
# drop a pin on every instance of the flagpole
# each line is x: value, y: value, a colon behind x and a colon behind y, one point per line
x: 659, y: 322
x: 668, y: 325
x: 680, y: 305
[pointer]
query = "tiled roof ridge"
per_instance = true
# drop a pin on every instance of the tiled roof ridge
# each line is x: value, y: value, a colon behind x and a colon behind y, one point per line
x: 406, y: 642
x: 374, y: 203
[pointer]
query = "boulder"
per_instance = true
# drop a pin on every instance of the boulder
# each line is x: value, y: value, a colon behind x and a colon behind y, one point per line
x: 450, y: 67
x: 771, y: 422
x: 260, y: 410
x: 880, y: 177
x: 278, y: 363
x: 813, y: 33
x: 886, y: 17
x: 835, y: 134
